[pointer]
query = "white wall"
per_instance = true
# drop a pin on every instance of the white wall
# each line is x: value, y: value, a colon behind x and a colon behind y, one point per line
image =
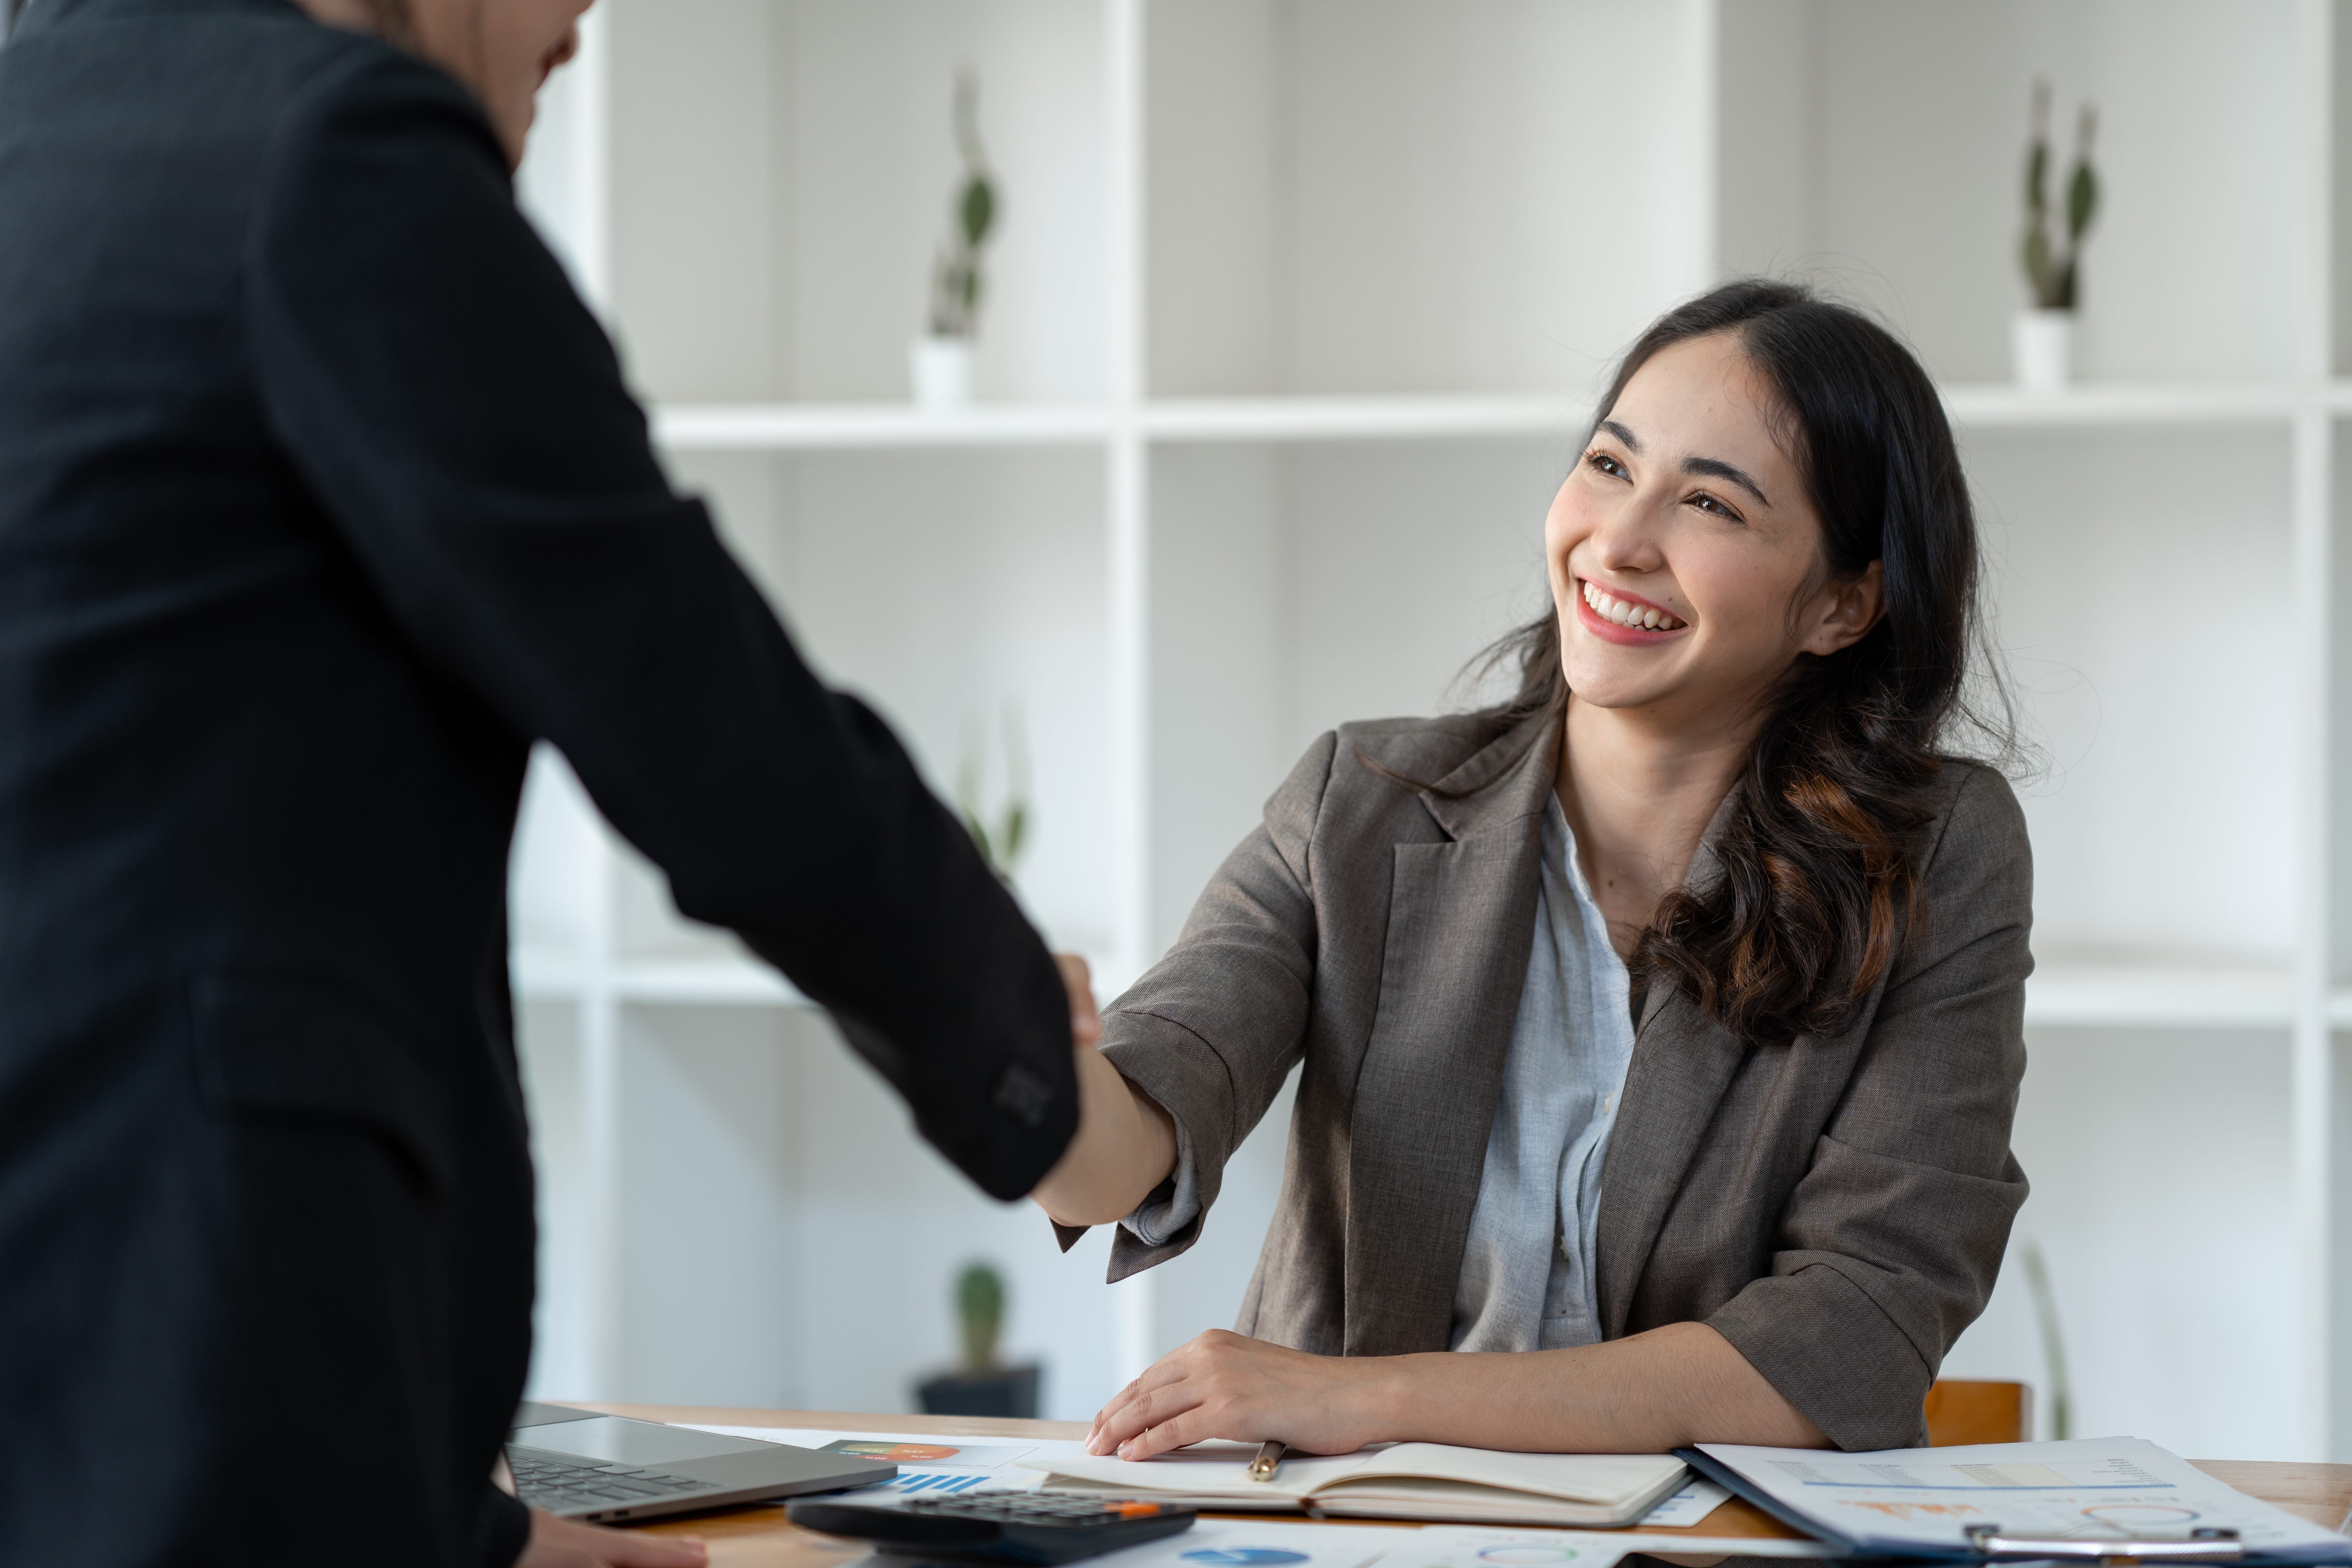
x: 2157, y: 1160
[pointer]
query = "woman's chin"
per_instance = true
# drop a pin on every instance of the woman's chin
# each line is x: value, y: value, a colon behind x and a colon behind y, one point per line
x: 1606, y: 678
x: 1600, y: 690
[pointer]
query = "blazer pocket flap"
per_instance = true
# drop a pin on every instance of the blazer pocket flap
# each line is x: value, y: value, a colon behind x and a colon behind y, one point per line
x: 289, y: 1048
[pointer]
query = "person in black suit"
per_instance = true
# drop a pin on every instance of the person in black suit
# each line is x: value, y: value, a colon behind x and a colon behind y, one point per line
x: 321, y: 500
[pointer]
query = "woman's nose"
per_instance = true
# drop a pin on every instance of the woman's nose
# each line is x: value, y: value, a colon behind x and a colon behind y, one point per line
x: 1628, y: 540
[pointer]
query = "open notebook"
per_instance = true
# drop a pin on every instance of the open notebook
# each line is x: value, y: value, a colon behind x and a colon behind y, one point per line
x: 1405, y: 1480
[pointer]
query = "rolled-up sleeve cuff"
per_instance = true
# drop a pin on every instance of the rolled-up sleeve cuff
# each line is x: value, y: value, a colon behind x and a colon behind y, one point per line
x: 1174, y: 1203
x: 1832, y: 1352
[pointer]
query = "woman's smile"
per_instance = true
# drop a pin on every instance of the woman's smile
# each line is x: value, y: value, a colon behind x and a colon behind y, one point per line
x: 1620, y: 617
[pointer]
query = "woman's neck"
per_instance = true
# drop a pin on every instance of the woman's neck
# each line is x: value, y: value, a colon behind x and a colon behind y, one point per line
x: 1638, y: 796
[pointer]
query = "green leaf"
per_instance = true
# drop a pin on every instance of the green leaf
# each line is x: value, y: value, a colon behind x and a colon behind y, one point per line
x: 1015, y: 831
x: 979, y: 831
x: 2037, y: 178
x: 979, y: 211
x: 2035, y: 255
x: 2082, y: 202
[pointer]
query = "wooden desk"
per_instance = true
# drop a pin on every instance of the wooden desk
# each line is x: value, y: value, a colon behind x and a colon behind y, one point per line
x: 764, y: 1538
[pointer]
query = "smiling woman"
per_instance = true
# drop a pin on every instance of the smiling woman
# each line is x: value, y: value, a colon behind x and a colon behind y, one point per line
x: 1661, y: 1025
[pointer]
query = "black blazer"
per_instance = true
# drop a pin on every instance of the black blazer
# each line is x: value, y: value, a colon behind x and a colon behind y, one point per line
x: 321, y: 500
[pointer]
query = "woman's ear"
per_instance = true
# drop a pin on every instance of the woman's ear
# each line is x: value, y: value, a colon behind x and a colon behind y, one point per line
x: 1846, y: 611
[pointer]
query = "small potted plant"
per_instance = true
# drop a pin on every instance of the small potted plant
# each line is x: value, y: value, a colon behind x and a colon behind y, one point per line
x: 941, y: 361
x: 2043, y: 337
x: 982, y: 1385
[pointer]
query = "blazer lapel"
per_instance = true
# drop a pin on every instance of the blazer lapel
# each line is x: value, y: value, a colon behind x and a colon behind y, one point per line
x: 1461, y: 917
x: 1683, y: 1062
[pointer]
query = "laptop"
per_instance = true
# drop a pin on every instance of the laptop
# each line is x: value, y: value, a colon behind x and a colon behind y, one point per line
x: 580, y: 1464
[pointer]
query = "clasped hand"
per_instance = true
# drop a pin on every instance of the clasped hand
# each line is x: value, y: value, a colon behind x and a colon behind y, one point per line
x: 1225, y: 1385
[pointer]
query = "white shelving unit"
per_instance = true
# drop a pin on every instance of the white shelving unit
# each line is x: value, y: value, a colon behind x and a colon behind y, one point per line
x: 1295, y: 315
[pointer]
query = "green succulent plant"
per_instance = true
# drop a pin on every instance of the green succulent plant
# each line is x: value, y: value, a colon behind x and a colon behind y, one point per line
x: 956, y: 284
x: 2050, y: 273
x: 979, y: 1314
x: 1001, y: 838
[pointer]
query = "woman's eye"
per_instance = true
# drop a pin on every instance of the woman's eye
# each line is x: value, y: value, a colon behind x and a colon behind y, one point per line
x: 1606, y: 464
x: 1705, y: 503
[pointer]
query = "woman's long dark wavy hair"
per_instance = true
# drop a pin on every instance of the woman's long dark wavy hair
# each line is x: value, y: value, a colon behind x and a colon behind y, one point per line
x: 1821, y: 870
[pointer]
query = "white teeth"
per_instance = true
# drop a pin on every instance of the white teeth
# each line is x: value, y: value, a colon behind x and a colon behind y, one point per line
x: 1624, y: 613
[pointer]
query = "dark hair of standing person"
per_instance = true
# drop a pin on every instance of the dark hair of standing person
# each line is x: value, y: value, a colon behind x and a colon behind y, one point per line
x: 1820, y: 856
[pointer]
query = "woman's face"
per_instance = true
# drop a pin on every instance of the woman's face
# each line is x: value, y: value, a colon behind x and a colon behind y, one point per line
x: 1686, y: 554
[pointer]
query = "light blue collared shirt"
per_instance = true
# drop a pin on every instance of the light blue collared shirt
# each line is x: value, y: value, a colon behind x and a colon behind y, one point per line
x: 1526, y: 1267
x: 1527, y: 1278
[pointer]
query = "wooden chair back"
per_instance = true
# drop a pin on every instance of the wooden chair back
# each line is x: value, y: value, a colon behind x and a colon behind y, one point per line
x: 1966, y: 1412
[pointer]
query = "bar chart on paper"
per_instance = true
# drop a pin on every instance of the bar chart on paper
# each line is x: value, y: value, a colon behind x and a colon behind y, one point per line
x: 929, y: 1466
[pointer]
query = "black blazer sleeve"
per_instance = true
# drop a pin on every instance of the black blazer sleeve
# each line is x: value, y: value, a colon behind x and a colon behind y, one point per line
x: 462, y: 418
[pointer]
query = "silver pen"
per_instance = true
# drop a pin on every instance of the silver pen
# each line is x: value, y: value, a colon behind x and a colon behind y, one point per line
x: 1268, y: 1460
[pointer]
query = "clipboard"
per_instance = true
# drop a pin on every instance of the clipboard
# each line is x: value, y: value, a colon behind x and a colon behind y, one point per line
x: 1986, y: 1542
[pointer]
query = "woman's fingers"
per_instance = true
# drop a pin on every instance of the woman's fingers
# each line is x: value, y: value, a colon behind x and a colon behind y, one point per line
x: 1177, y: 1432
x: 1148, y: 1408
x: 1118, y: 1421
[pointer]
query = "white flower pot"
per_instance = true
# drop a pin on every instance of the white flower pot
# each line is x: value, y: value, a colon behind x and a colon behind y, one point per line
x: 2043, y: 342
x: 940, y: 369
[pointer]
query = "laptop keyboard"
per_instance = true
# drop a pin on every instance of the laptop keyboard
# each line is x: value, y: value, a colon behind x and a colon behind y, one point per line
x: 558, y: 1485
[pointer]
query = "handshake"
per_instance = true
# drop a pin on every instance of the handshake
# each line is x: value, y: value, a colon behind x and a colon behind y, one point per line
x: 1125, y: 1145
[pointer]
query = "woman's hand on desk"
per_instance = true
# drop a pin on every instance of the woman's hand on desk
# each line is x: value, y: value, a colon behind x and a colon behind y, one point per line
x: 1673, y: 1386
x: 1125, y: 1144
x: 1223, y: 1385
x: 567, y: 1544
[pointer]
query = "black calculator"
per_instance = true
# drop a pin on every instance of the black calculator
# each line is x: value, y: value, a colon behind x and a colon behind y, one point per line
x: 995, y: 1527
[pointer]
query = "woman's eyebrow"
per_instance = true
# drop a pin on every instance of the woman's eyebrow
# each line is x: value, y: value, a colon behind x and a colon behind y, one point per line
x: 1717, y: 468
x: 1632, y: 442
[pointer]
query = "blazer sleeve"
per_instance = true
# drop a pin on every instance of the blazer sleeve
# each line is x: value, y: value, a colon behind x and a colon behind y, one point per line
x: 462, y: 420
x: 1211, y: 1030
x: 1891, y: 1242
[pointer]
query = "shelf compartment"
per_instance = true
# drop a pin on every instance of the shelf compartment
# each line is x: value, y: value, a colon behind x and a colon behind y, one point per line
x: 780, y: 178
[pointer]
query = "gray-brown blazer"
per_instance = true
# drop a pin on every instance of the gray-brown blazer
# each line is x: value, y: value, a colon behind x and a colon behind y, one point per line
x: 1836, y: 1207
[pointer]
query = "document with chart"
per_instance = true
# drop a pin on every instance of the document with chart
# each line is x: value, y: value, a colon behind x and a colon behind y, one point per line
x: 927, y: 1463
x: 1923, y: 1502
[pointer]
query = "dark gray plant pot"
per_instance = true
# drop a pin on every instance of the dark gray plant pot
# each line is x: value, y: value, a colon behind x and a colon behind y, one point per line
x: 1010, y: 1390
